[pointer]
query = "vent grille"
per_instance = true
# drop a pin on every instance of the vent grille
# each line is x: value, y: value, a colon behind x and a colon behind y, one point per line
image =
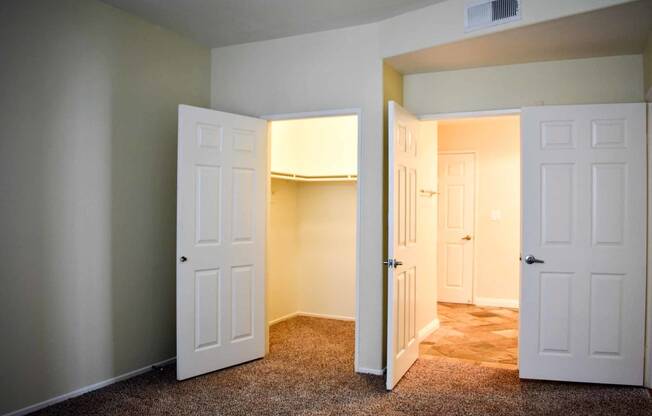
x: 479, y: 14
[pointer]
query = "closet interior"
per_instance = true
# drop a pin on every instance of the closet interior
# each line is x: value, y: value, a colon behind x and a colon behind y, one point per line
x: 312, y: 218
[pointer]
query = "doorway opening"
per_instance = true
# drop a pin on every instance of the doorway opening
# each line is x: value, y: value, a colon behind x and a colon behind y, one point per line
x: 312, y: 224
x: 478, y: 241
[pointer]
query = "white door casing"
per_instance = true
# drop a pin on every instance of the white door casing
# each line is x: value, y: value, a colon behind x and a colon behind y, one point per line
x: 456, y: 227
x: 221, y: 212
x: 584, y: 215
x: 402, y: 281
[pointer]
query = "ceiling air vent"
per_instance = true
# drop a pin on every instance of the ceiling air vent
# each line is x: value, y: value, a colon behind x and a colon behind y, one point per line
x: 479, y: 14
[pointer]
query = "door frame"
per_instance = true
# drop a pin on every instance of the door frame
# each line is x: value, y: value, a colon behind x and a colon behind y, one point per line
x: 474, y: 231
x: 647, y: 375
x: 647, y: 382
x: 360, y: 186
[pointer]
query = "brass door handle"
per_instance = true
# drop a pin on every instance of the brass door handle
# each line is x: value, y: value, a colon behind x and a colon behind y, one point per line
x: 466, y: 237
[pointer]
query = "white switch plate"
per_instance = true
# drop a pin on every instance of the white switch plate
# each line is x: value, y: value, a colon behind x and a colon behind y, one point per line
x: 495, y: 215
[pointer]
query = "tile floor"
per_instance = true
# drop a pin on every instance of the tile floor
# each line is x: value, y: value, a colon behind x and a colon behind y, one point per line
x: 483, y: 335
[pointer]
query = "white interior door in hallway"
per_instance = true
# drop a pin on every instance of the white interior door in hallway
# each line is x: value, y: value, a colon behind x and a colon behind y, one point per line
x: 455, y: 244
x: 411, y: 175
x: 584, y: 243
x: 222, y: 185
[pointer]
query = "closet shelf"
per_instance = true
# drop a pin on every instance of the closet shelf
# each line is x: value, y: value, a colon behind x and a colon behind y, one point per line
x: 313, y: 178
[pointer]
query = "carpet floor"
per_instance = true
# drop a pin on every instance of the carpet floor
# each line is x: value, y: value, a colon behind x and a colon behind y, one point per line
x: 309, y: 371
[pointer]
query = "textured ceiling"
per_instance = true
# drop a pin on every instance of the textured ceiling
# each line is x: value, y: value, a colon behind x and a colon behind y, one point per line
x: 217, y: 23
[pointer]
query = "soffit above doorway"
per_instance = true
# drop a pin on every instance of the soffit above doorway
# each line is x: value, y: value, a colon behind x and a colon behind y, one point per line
x: 618, y: 30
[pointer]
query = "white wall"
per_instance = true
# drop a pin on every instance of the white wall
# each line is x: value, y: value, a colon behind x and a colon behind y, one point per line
x: 328, y: 70
x: 343, y: 69
x: 496, y: 143
x: 88, y: 139
x: 312, y: 249
x: 581, y: 81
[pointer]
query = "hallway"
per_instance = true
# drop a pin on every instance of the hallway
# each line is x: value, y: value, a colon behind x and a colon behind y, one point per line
x: 482, y: 335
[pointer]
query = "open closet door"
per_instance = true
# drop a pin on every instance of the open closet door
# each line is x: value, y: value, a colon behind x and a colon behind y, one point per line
x: 584, y: 243
x: 221, y: 191
x: 402, y: 342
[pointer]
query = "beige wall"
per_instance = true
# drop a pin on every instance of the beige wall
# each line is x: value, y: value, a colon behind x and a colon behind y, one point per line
x: 283, y: 251
x: 343, y: 69
x: 444, y: 22
x: 426, y: 316
x: 581, y: 81
x: 88, y: 139
x: 312, y: 249
x: 327, y: 216
x: 496, y: 142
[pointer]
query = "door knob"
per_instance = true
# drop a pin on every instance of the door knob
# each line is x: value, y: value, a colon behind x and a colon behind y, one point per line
x: 530, y: 259
x: 183, y: 259
x: 466, y: 237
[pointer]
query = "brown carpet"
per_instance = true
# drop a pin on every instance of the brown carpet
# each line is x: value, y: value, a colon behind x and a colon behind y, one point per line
x: 310, y: 372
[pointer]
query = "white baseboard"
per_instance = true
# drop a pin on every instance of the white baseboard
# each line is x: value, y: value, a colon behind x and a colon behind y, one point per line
x: 326, y: 316
x: 282, y: 318
x: 312, y: 315
x: 497, y: 302
x: 431, y: 327
x: 372, y: 371
x: 87, y: 389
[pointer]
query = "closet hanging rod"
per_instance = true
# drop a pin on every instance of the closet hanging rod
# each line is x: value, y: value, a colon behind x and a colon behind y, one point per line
x: 428, y: 192
x: 313, y: 178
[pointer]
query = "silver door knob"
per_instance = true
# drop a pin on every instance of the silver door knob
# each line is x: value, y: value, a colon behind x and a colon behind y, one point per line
x: 530, y: 259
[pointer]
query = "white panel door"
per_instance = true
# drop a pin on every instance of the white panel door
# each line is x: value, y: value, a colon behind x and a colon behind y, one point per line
x: 584, y: 206
x: 456, y: 227
x: 222, y: 165
x: 402, y: 275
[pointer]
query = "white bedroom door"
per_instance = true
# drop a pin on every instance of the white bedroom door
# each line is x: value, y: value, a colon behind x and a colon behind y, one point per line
x: 402, y: 283
x: 221, y: 191
x: 456, y: 227
x: 584, y: 243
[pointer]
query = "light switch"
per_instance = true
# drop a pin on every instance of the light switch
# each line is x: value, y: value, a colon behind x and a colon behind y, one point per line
x: 495, y: 215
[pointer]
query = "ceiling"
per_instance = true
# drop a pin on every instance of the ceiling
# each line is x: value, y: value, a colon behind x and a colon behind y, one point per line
x: 215, y: 23
x: 619, y: 30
